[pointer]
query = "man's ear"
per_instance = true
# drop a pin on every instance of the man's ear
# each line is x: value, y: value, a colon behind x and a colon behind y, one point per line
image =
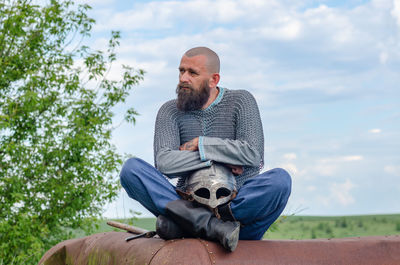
x: 214, y: 79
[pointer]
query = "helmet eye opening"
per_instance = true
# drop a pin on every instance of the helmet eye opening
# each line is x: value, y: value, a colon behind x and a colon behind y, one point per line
x: 203, y: 193
x: 223, y: 192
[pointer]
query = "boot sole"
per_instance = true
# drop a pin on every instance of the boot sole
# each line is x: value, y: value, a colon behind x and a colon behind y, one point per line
x: 232, y: 241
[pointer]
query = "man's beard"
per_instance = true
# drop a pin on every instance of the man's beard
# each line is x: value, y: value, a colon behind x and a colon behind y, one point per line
x: 190, y: 98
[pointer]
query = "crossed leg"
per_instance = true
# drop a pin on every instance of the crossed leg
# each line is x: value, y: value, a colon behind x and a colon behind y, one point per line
x: 257, y: 205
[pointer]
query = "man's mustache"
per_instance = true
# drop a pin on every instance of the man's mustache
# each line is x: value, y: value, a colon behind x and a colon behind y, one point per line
x: 184, y: 86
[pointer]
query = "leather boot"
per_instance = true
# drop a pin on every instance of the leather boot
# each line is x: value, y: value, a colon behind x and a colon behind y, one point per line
x: 168, y: 229
x: 201, y: 222
x: 225, y: 212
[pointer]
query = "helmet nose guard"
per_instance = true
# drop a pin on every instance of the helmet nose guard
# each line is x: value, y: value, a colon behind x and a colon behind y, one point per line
x: 212, y: 186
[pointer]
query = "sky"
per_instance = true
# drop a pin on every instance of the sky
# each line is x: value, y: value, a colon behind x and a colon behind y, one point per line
x: 325, y: 74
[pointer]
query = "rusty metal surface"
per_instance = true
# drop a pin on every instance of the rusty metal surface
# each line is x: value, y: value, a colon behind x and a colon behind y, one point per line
x: 111, y: 248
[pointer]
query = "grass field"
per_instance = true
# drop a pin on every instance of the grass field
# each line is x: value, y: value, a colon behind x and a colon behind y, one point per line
x: 308, y: 227
x: 302, y: 227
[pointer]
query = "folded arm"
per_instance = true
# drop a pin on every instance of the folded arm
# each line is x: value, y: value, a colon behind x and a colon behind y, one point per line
x: 167, y: 157
x: 227, y: 151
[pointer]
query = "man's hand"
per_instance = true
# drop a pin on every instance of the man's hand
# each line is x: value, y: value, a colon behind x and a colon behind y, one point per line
x: 236, y: 170
x: 192, y: 145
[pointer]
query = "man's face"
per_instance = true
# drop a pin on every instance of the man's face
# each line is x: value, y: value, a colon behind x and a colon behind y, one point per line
x: 193, y: 89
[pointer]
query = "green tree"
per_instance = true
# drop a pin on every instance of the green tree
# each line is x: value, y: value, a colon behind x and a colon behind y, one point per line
x: 57, y: 165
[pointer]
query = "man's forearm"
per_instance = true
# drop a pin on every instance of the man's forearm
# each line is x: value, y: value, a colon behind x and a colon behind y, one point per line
x: 232, y: 152
x: 193, y: 145
x: 175, y: 163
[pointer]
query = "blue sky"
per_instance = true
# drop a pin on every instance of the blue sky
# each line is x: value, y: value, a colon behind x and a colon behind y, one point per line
x: 325, y: 74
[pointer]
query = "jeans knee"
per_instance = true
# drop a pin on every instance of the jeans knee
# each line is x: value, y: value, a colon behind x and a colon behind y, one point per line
x: 130, y: 166
x: 283, y: 181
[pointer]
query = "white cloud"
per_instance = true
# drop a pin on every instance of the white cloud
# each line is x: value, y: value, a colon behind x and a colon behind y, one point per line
x: 375, y: 131
x: 396, y: 11
x: 95, y: 2
x: 330, y: 23
x: 341, y: 159
x: 383, y: 57
x: 340, y: 192
x: 260, y: 22
x: 291, y: 168
x: 351, y: 158
x: 330, y: 166
x: 268, y: 18
x: 311, y: 188
x: 288, y: 30
x: 148, y: 16
x: 290, y: 156
x: 167, y: 14
x: 325, y: 201
x: 324, y: 169
x: 392, y: 170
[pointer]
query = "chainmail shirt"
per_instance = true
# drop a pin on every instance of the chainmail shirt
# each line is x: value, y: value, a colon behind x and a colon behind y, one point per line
x: 229, y: 131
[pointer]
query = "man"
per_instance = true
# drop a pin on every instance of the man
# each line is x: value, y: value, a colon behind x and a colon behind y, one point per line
x: 208, y: 124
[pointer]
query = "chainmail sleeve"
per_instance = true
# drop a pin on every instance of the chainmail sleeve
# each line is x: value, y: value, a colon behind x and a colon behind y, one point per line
x: 249, y: 127
x: 246, y: 146
x: 167, y: 157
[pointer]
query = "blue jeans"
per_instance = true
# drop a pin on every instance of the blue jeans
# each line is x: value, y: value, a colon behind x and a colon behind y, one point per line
x: 258, y: 204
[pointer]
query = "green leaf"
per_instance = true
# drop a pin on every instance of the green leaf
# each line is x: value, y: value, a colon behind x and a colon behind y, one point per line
x: 57, y: 162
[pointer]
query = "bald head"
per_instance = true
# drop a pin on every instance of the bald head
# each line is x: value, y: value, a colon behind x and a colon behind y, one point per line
x: 212, y: 63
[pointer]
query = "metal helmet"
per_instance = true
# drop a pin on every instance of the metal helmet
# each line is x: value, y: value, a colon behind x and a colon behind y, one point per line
x: 212, y: 186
